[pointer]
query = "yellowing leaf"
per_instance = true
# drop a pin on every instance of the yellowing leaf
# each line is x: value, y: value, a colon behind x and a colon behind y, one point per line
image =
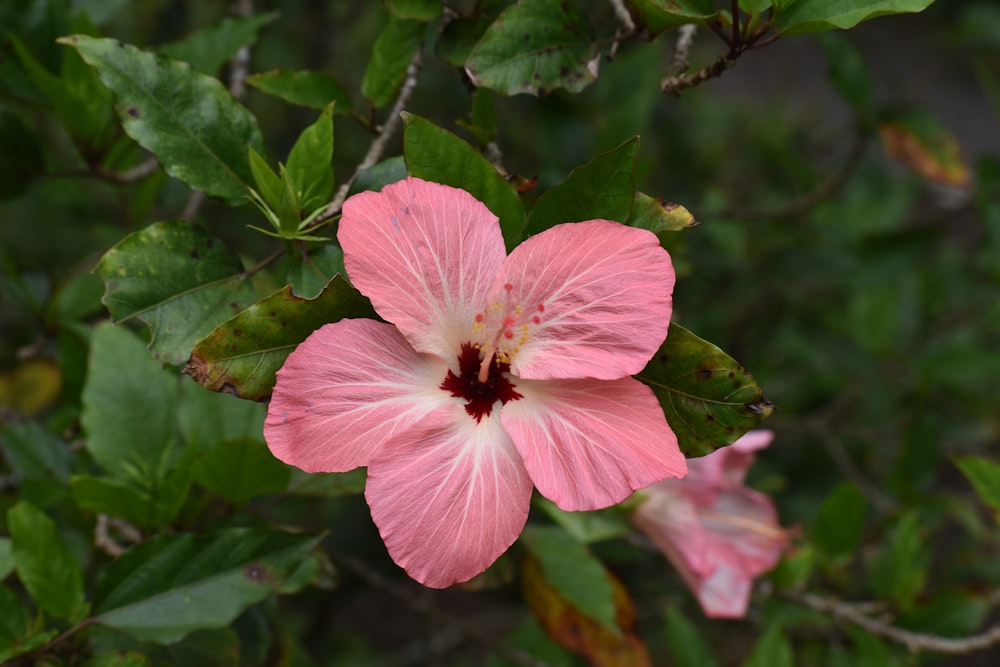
x: 31, y: 387
x: 570, y: 628
x: 927, y: 147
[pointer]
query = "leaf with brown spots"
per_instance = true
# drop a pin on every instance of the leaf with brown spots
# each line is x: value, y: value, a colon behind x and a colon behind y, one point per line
x: 176, y: 278
x: 708, y: 397
x: 242, y: 355
x: 924, y: 145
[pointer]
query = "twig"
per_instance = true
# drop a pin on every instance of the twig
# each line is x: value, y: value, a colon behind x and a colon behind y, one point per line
x: 380, y: 142
x: 52, y: 643
x: 137, y: 172
x: 673, y: 85
x: 106, y: 543
x: 914, y: 641
x: 682, y: 52
x: 425, y: 607
x: 626, y: 26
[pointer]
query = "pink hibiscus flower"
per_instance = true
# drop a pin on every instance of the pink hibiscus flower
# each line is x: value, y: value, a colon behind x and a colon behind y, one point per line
x: 496, y: 374
x: 718, y: 533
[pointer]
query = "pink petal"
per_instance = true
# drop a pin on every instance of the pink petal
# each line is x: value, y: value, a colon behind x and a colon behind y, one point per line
x: 743, y: 526
x: 449, y: 496
x: 588, y: 444
x: 425, y: 254
x: 669, y: 519
x: 729, y: 465
x: 347, y: 389
x: 601, y: 293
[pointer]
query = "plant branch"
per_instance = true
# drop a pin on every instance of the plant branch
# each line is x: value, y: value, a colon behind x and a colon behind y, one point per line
x: 55, y: 641
x: 682, y: 51
x: 674, y: 85
x: 626, y: 26
x: 380, y: 142
x: 914, y: 641
x: 426, y: 608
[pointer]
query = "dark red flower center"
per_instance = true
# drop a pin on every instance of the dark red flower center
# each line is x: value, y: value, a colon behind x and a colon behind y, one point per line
x: 479, y: 397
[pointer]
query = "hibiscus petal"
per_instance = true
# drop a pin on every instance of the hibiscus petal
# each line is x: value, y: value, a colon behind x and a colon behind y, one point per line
x: 601, y: 293
x: 449, y: 496
x: 346, y: 390
x: 729, y: 465
x: 588, y: 444
x: 425, y: 254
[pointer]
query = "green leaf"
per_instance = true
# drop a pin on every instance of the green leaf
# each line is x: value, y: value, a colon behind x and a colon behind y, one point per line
x: 391, y: 55
x: 207, y: 50
x: 119, y: 659
x: 795, y: 568
x: 708, y: 398
x: 586, y: 527
x: 839, y: 523
x: 20, y: 156
x: 176, y: 278
x: 6, y: 557
x: 534, y: 47
x: 435, y: 154
x: 659, y: 215
x: 382, y: 174
x: 267, y: 180
x: 328, y: 485
x: 239, y: 470
x: 17, y: 628
x: 128, y: 408
x: 117, y: 498
x: 416, y: 10
x: 459, y: 37
x: 900, y: 571
x: 574, y: 572
x: 482, y: 123
x: 984, y: 475
x: 814, y: 15
x: 308, y: 166
x: 194, y: 126
x: 35, y: 453
x: 601, y: 189
x: 660, y: 15
x: 303, y: 87
x: 44, y: 563
x: 207, y: 417
x: 923, y: 143
x: 771, y: 650
x: 242, y: 355
x: 171, y: 585
x: 311, y: 273
x: 687, y: 646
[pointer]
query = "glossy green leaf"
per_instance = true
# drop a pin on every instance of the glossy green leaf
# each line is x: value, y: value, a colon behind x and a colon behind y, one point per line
x: 534, y: 47
x: 171, y: 585
x: 709, y: 399
x: 659, y: 215
x: 573, y: 572
x: 755, y: 7
x: 128, y: 407
x: 17, y: 628
x: 239, y: 470
x: 601, y: 189
x: 660, y: 15
x: 900, y: 571
x: 586, y: 527
x: 482, y: 123
x: 772, y: 649
x: 687, y: 646
x: 813, y: 15
x: 20, y: 156
x: 117, y: 498
x: 435, y: 154
x: 45, y: 564
x: 837, y: 529
x: 984, y: 475
x: 242, y: 355
x: 391, y: 55
x: 310, y: 274
x: 302, y: 87
x: 382, y: 174
x: 176, y: 278
x: 208, y: 49
x: 309, y: 167
x: 194, y: 126
x: 460, y: 36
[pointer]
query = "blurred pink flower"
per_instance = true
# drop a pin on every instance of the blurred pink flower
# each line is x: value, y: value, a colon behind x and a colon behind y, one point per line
x: 718, y: 533
x: 496, y: 373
